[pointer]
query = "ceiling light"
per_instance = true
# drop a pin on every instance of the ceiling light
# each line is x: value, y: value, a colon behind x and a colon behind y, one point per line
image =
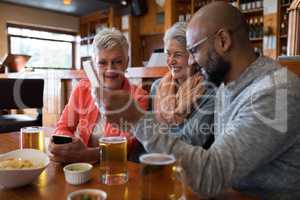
x: 124, y: 3
x: 67, y: 2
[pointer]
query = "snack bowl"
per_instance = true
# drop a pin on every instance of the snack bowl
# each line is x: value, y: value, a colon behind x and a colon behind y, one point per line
x: 21, y: 167
x: 78, y: 173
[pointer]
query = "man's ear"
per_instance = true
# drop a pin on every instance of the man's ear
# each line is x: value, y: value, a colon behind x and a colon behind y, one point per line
x: 223, y: 41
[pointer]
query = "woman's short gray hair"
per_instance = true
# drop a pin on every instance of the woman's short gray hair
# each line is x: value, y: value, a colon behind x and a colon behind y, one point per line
x: 177, y: 32
x: 109, y: 38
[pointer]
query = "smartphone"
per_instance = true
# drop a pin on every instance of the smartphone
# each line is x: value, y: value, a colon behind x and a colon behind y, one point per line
x: 91, y: 73
x: 61, y: 139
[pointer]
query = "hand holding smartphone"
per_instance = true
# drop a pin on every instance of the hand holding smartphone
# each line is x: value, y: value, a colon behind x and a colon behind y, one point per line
x: 61, y: 139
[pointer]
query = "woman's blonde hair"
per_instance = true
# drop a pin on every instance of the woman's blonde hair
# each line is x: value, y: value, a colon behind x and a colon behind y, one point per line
x: 176, y: 32
x: 109, y: 38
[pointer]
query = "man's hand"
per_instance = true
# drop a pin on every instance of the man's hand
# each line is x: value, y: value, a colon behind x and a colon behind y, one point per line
x: 72, y: 152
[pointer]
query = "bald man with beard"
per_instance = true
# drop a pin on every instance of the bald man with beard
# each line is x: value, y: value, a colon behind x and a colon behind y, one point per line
x: 257, y: 124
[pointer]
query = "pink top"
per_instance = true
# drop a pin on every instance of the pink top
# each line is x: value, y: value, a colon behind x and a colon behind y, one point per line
x: 82, y: 113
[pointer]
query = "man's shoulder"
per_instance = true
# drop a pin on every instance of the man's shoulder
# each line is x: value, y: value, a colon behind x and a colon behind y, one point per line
x: 279, y: 78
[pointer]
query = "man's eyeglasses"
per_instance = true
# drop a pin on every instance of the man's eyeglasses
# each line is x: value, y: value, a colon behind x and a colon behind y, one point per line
x: 195, y: 47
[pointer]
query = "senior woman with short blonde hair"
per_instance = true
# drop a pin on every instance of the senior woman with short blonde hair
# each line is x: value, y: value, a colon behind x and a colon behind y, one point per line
x: 110, y: 58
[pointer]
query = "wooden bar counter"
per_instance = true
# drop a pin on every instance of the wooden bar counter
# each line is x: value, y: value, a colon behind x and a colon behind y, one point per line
x: 51, y: 183
x: 57, y: 87
x: 59, y: 84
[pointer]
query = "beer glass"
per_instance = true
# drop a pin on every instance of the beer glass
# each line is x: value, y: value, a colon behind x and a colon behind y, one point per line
x: 32, y: 137
x: 162, y: 177
x: 87, y: 194
x: 113, y: 160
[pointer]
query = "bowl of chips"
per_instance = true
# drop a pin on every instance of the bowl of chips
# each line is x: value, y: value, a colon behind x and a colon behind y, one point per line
x: 21, y: 167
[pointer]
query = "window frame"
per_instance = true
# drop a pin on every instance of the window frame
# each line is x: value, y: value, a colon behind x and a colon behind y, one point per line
x: 53, y: 40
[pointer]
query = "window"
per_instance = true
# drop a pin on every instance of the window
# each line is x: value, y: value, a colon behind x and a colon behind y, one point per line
x: 47, y: 48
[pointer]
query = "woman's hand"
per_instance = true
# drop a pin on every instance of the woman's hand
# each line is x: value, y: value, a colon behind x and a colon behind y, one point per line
x: 73, y: 152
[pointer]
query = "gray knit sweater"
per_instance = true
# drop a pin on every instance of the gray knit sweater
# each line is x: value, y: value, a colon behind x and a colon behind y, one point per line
x: 257, y: 137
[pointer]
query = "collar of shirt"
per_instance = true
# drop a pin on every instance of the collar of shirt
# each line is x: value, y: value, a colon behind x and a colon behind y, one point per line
x: 258, y: 68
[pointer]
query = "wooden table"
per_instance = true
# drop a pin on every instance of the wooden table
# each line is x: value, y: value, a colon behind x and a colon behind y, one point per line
x: 51, y: 184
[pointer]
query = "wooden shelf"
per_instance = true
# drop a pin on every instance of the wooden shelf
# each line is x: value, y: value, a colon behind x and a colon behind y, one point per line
x: 256, y: 39
x: 283, y: 36
x: 87, y: 40
x: 285, y: 5
x: 259, y: 10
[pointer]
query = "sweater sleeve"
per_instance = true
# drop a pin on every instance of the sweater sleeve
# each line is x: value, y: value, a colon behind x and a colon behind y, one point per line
x: 247, y: 143
x: 198, y: 130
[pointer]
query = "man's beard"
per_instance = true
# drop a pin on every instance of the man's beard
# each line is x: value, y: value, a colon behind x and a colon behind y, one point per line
x: 216, y: 68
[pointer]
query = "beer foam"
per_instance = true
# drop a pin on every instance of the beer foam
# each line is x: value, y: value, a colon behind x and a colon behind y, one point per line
x: 157, y: 159
x: 32, y: 129
x: 113, y: 140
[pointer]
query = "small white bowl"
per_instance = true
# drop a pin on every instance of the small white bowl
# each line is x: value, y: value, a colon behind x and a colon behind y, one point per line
x: 12, y: 178
x: 101, y: 195
x: 78, y: 173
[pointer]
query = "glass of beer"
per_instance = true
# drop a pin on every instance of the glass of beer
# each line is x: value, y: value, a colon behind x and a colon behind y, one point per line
x: 32, y: 137
x: 113, y: 160
x: 161, y: 171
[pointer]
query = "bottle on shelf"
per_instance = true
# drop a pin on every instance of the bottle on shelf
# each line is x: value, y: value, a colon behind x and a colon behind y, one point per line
x: 187, y: 17
x: 258, y: 51
x: 233, y: 3
x: 284, y: 2
x: 249, y: 5
x: 261, y: 26
x: 283, y: 27
x: 251, y: 32
x: 285, y: 17
x: 242, y: 5
x: 199, y: 4
x: 256, y: 28
x: 283, y: 50
x: 258, y: 4
x: 253, y: 4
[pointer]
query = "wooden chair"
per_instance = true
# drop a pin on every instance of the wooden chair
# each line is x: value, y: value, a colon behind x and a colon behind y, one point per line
x: 20, y: 94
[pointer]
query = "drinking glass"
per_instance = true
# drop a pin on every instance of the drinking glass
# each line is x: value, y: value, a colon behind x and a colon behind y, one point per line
x: 32, y: 137
x: 162, y: 177
x: 113, y: 160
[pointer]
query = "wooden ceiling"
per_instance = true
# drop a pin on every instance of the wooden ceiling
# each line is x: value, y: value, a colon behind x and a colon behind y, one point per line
x: 76, y: 8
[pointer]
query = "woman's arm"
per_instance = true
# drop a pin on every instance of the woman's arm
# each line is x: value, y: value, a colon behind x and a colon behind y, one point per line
x: 69, y: 118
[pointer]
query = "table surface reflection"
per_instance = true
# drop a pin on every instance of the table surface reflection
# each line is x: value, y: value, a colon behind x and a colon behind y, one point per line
x: 51, y: 183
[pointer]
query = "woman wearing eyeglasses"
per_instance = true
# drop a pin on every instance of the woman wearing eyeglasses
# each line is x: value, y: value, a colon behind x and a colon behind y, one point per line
x: 182, y: 99
x: 81, y: 118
